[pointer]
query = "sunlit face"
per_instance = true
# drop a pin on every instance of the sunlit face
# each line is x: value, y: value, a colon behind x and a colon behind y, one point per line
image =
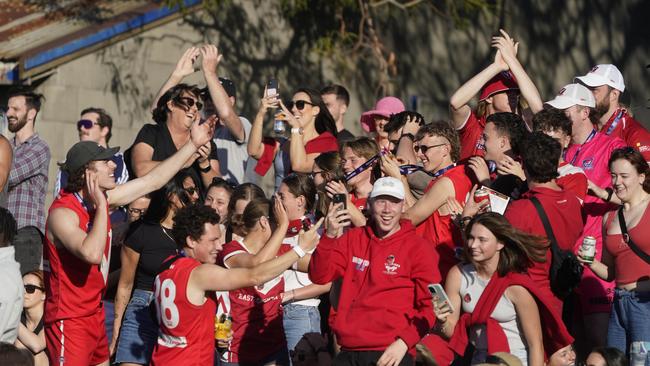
x: 181, y: 112
x: 295, y: 206
x: 96, y: 133
x: 218, y: 198
x: 209, y: 244
x: 307, y: 115
x: 380, y: 122
x: 336, y: 106
x: 437, y: 148
x: 105, y: 170
x: 494, y: 143
x: 482, y: 245
x: 37, y: 297
x: 190, y: 187
x: 563, y: 357
x: 138, y: 208
x: 596, y: 359
x: 17, y: 114
x: 505, y: 101
x: 386, y: 212
x: 351, y: 161
x: 627, y: 182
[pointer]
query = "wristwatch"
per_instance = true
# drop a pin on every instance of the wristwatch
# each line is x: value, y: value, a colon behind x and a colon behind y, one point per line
x: 297, y: 130
x: 409, y: 135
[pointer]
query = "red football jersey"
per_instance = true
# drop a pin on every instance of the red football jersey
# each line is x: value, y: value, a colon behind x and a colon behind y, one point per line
x: 73, y: 287
x: 186, y: 331
x: 256, y: 315
x: 471, y: 137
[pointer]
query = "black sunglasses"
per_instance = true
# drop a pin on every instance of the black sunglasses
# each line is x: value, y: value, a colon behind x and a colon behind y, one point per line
x: 425, y: 148
x: 300, y: 104
x: 30, y: 289
x: 495, y: 360
x: 86, y: 124
x: 191, y: 190
x: 188, y: 102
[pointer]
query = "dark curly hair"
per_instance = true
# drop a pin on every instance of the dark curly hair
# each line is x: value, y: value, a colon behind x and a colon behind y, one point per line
x: 510, y: 125
x: 77, y: 179
x: 190, y: 221
x: 541, y: 157
x: 398, y: 120
x: 161, y: 110
x: 552, y: 119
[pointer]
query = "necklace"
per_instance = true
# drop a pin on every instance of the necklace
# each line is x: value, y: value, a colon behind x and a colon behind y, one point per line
x: 167, y: 234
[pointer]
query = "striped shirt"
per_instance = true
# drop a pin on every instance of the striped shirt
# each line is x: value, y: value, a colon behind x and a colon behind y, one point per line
x: 28, y: 182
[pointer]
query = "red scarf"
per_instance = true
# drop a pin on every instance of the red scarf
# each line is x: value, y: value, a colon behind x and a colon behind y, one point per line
x: 554, y: 332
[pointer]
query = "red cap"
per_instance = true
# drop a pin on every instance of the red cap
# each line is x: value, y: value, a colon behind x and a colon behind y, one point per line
x: 501, y: 82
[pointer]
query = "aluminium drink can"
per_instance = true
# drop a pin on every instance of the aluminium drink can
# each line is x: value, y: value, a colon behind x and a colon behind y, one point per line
x: 588, y: 248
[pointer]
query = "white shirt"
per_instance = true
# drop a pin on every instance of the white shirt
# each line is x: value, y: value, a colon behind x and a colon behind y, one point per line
x: 232, y: 154
x: 11, y: 295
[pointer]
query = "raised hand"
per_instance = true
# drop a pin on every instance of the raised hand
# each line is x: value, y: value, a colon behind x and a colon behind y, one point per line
x: 185, y: 65
x: 280, y: 212
x: 269, y: 101
x: 508, y: 165
x: 390, y: 166
x: 211, y: 58
x: 95, y: 193
x: 412, y: 125
x: 292, y: 120
x: 201, y: 133
x: 480, y: 168
x: 309, y: 239
x: 506, y: 46
x: 338, y: 219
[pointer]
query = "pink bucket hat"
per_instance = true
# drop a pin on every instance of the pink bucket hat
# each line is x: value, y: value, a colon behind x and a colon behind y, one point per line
x: 386, y: 107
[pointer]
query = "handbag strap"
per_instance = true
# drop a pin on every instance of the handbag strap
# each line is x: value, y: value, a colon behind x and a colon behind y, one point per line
x: 628, y: 239
x: 547, y: 225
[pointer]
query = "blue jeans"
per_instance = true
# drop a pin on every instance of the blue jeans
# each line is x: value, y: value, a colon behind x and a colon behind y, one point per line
x: 629, y: 329
x: 298, y: 320
x: 139, y: 331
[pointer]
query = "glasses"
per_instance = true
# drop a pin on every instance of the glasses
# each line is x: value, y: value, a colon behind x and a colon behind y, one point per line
x: 188, y: 102
x: 86, y: 124
x: 495, y: 360
x: 30, y: 289
x: 191, y: 190
x: 425, y: 148
x: 313, y: 175
x: 300, y: 104
x: 137, y: 211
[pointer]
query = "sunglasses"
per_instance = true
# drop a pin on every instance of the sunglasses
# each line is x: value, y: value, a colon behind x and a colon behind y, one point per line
x: 86, y: 124
x: 30, y: 289
x: 188, y: 102
x: 138, y: 211
x: 300, y: 104
x: 425, y: 148
x: 191, y: 190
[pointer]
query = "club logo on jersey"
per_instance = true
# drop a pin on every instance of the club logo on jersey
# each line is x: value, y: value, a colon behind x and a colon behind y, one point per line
x: 390, y: 265
x: 588, y: 163
x: 360, y: 264
x: 467, y: 298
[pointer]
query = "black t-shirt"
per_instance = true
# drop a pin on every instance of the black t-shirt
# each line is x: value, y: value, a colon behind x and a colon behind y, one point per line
x: 509, y: 185
x: 154, y: 246
x: 159, y: 138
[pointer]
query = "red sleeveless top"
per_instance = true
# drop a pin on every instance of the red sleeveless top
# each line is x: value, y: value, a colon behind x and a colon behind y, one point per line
x: 73, y: 287
x: 629, y: 267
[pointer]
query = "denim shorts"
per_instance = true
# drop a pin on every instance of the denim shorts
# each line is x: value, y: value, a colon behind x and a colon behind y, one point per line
x: 139, y: 331
x: 299, y: 320
x: 629, y: 329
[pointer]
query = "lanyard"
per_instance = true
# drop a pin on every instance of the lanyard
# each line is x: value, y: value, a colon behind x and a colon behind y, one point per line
x: 82, y: 202
x: 443, y: 170
x: 362, y: 167
x: 614, y: 123
x: 589, y: 138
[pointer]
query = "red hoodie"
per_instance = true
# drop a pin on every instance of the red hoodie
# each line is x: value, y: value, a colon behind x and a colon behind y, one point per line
x: 384, y: 293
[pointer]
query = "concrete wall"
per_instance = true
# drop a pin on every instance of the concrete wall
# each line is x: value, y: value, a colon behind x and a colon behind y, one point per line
x: 559, y: 39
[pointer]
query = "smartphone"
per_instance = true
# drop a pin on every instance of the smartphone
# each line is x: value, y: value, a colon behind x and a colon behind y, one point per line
x: 306, y: 224
x: 440, y: 296
x: 341, y: 198
x: 272, y: 88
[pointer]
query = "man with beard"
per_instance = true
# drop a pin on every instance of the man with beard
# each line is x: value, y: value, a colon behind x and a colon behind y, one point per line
x: 27, y: 179
x: 607, y: 84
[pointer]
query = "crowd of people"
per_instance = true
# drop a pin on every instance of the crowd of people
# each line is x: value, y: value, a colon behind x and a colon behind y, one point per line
x: 379, y: 249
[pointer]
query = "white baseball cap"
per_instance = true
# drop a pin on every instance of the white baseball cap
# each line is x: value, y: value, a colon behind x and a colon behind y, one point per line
x: 573, y: 94
x: 388, y: 186
x: 604, y: 74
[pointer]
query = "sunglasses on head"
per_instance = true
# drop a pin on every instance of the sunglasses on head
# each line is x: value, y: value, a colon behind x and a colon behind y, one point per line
x: 86, y: 124
x: 188, y: 102
x: 300, y: 104
x: 425, y: 148
x: 31, y: 288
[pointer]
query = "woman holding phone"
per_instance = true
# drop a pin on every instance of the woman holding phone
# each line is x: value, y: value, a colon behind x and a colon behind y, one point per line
x: 496, y: 307
x: 313, y: 131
